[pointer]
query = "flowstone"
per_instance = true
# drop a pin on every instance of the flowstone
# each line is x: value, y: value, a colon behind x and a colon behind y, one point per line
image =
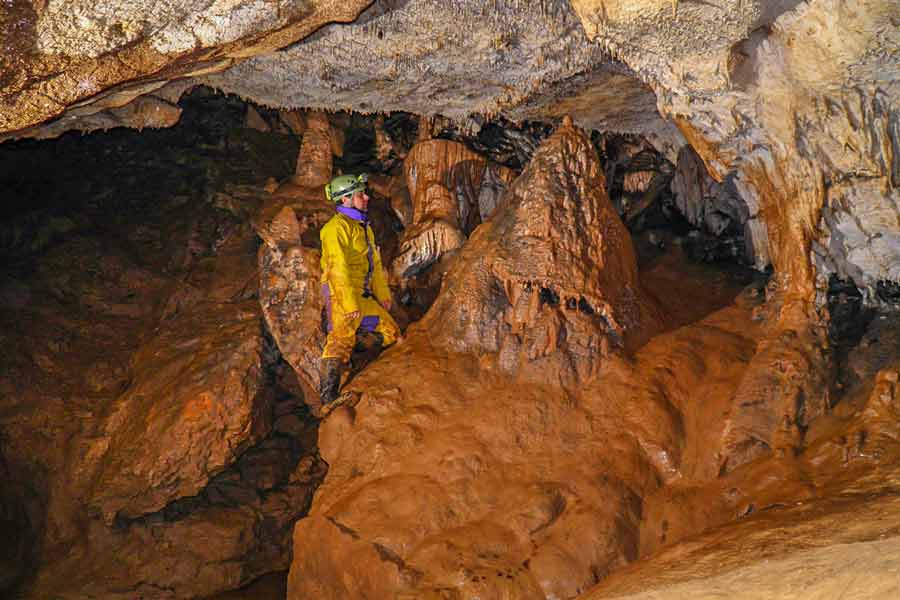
x: 485, y: 483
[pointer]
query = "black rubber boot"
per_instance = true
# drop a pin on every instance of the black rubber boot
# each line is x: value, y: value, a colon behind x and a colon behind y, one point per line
x: 378, y: 341
x: 329, y: 380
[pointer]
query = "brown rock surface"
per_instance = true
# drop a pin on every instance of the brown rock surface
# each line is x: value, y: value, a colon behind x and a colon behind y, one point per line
x: 290, y: 292
x: 314, y: 164
x: 444, y: 179
x: 823, y: 523
x: 138, y: 385
x: 485, y: 483
x: 195, y: 403
x: 553, y: 274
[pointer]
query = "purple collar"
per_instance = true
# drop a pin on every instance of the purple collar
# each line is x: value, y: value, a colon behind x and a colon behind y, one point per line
x: 353, y: 213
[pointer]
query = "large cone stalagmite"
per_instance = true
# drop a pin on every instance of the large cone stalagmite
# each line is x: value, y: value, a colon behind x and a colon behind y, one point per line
x: 552, y: 278
x: 476, y: 485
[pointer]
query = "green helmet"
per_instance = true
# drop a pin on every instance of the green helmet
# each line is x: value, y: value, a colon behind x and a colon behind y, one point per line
x: 345, y: 185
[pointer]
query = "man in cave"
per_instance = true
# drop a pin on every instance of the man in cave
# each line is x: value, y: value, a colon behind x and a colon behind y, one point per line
x: 354, y: 284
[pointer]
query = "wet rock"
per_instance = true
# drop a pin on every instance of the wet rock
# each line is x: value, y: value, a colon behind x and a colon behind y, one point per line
x: 443, y: 484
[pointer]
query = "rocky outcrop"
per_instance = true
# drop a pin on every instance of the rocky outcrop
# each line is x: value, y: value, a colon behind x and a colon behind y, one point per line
x: 802, y: 519
x: 60, y: 56
x: 452, y: 190
x: 459, y: 484
x: 551, y: 280
x: 194, y: 404
x: 860, y: 240
x: 290, y: 289
x: 152, y: 448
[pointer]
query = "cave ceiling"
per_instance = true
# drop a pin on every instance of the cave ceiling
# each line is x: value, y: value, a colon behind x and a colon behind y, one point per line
x: 522, y: 59
x: 792, y: 104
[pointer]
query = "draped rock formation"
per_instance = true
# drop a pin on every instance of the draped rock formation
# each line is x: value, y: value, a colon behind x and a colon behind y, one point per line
x: 552, y: 274
x: 440, y: 484
x: 451, y: 192
x: 527, y: 438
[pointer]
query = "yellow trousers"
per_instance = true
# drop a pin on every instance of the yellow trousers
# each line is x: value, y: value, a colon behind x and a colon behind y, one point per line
x: 342, y: 331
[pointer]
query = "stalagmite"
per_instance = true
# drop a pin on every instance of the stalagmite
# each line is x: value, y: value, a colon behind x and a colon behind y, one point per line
x: 553, y: 412
x: 567, y: 247
x: 440, y: 484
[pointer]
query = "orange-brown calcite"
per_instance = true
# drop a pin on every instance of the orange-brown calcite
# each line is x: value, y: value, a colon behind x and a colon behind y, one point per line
x: 822, y: 523
x: 444, y: 179
x: 549, y: 285
x: 464, y: 472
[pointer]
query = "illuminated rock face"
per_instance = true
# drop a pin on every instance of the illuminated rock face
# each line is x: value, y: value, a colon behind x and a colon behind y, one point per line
x: 503, y: 406
x: 63, y: 54
x: 794, y: 104
x: 550, y: 281
x: 451, y: 188
x: 466, y: 482
x: 190, y: 411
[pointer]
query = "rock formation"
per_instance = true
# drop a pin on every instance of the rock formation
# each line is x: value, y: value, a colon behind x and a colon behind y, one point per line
x: 552, y: 274
x: 426, y: 492
x: 452, y: 189
x: 147, y: 351
x: 149, y: 448
x: 314, y: 164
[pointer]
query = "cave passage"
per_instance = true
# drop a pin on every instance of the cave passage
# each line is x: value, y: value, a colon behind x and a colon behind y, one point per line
x: 160, y: 300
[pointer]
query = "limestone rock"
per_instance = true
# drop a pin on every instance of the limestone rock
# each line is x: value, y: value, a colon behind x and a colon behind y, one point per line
x: 551, y: 278
x: 715, y: 206
x: 196, y: 401
x: 314, y: 161
x: 486, y: 514
x: 294, y: 120
x: 254, y: 120
x: 444, y: 180
x: 525, y: 47
x: 85, y: 50
x: 861, y: 241
x: 292, y: 304
x: 289, y: 271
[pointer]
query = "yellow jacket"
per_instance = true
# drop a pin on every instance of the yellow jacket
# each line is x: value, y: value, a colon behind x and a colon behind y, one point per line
x: 346, y: 245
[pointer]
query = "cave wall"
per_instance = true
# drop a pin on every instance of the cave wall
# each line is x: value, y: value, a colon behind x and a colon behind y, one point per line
x: 798, y: 103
